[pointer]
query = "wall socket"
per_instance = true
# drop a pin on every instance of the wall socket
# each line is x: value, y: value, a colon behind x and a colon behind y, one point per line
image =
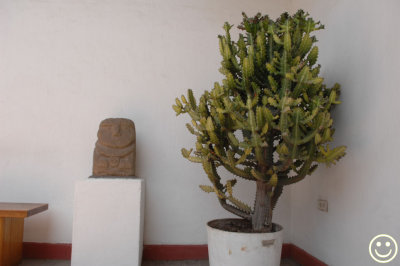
x: 323, y: 205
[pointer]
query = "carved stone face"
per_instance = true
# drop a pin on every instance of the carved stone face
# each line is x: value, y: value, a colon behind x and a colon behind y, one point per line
x: 115, y: 151
x: 116, y: 132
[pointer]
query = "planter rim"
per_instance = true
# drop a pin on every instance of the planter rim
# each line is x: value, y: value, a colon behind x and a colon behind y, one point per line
x: 277, y: 226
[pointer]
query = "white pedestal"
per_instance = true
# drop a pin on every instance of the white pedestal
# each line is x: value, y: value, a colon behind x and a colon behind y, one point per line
x: 108, y: 222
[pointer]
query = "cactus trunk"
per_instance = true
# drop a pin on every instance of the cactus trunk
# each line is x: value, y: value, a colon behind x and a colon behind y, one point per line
x: 261, y: 217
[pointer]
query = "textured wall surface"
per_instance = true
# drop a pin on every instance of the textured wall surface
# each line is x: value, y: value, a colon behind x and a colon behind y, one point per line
x: 67, y: 65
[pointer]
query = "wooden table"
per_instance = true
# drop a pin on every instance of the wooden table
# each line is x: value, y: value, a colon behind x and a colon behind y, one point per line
x: 12, y: 229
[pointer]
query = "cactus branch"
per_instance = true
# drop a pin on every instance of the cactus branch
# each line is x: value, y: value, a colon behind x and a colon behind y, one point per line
x: 277, y: 193
x: 234, y: 210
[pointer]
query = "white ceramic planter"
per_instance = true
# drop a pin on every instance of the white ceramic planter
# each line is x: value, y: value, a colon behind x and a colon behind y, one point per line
x: 239, y: 249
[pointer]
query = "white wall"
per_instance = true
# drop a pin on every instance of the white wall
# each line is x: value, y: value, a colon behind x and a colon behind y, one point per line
x: 67, y: 65
x: 359, y: 49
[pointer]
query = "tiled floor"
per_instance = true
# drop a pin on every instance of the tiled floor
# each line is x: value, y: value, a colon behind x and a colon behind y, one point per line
x: 285, y: 262
x: 45, y: 263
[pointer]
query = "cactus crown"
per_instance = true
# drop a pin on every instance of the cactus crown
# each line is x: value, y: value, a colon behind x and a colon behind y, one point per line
x: 270, y: 119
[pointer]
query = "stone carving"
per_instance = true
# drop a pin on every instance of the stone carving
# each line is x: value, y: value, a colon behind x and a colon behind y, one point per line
x: 115, y: 151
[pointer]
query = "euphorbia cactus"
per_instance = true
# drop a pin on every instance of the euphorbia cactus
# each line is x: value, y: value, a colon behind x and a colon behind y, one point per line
x: 270, y: 119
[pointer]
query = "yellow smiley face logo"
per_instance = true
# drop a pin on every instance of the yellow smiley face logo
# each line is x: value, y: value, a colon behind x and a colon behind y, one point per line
x: 383, y: 248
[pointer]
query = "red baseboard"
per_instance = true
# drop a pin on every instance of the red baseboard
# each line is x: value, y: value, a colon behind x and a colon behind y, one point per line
x: 33, y: 250
x: 175, y: 252
x: 286, y: 248
x: 303, y: 258
x: 160, y: 252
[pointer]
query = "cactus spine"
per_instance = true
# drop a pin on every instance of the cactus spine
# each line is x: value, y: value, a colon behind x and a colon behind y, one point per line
x: 270, y: 119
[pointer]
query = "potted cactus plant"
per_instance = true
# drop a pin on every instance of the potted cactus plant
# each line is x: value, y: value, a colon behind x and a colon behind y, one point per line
x: 269, y: 121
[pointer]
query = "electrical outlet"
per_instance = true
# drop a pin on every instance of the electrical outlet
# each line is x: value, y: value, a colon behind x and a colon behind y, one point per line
x: 323, y: 205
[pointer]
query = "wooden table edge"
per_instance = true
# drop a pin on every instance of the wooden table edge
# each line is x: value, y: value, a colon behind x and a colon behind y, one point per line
x: 23, y: 213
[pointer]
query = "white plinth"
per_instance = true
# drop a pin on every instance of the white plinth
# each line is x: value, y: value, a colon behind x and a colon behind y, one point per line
x: 108, y: 222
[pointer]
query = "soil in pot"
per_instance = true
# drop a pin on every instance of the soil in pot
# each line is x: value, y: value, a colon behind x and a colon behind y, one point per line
x: 239, y: 226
